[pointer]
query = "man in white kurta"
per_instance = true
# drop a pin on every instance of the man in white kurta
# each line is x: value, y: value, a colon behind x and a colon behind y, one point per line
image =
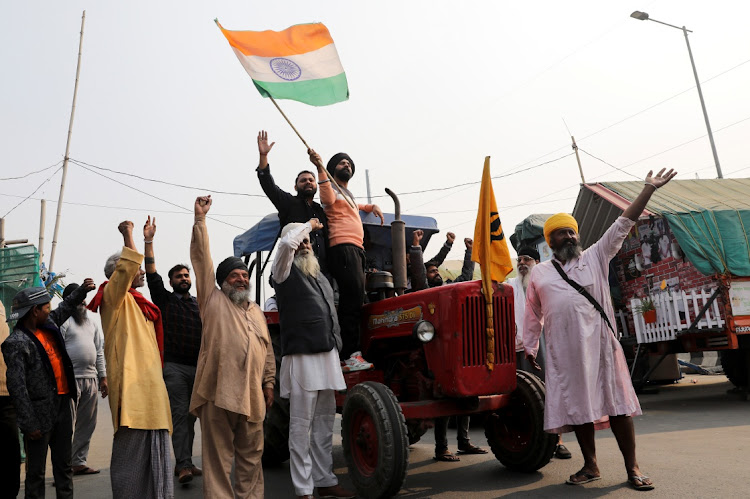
x: 310, y: 369
x: 587, y: 379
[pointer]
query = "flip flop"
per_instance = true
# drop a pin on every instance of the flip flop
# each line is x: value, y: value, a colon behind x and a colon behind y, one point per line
x: 86, y: 471
x: 588, y: 478
x: 472, y: 449
x: 447, y: 457
x: 637, y: 482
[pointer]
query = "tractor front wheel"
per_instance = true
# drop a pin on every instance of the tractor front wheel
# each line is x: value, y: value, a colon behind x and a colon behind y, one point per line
x: 375, y: 440
x: 516, y: 433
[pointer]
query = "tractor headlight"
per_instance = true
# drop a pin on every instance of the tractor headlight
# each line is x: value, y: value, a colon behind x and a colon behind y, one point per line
x: 424, y: 331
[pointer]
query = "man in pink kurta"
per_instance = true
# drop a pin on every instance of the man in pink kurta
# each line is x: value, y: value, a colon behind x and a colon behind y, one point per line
x: 587, y: 380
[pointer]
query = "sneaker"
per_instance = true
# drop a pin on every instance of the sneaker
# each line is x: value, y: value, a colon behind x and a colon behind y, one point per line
x: 355, y: 363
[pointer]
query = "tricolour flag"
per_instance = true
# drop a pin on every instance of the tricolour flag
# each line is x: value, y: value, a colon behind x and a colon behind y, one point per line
x: 490, y: 244
x: 299, y: 63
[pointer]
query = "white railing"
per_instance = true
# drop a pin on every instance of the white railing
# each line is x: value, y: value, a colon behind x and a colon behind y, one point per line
x: 675, y: 312
x: 622, y: 322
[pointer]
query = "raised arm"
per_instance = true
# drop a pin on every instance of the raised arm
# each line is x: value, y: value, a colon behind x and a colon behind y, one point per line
x: 326, y: 192
x: 66, y: 308
x: 417, y: 272
x: 467, y: 269
x: 282, y: 264
x: 200, y: 252
x: 444, y: 249
x: 649, y: 187
x: 277, y: 196
x: 159, y: 293
x: 125, y: 270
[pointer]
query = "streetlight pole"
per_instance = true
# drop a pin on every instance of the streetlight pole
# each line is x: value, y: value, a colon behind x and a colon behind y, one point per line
x: 643, y: 16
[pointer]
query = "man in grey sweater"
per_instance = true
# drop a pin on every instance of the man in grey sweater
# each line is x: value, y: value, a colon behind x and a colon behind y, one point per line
x: 85, y: 345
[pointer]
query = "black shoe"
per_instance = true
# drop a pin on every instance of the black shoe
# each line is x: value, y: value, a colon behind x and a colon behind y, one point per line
x: 562, y: 452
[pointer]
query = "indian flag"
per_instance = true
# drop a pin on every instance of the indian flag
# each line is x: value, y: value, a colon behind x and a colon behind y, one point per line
x: 299, y: 63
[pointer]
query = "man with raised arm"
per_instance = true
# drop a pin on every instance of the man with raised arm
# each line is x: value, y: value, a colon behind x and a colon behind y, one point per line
x: 310, y: 371
x: 42, y: 386
x: 346, y: 251
x: 299, y: 208
x: 138, y: 399
x: 182, y: 343
x: 236, y: 370
x: 588, y: 383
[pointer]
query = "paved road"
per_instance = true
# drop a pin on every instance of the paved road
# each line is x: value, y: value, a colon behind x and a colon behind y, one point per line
x: 693, y: 440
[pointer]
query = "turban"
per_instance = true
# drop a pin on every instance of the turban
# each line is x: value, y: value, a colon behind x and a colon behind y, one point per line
x: 335, y: 160
x: 227, y: 266
x: 559, y: 221
x: 528, y: 251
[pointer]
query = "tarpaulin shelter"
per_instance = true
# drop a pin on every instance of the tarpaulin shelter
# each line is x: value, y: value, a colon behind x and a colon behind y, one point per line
x: 709, y: 218
x: 19, y: 269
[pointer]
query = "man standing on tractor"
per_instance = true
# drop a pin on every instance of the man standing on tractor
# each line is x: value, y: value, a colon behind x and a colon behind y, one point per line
x: 588, y: 384
x: 528, y: 257
x: 346, y: 251
x: 310, y: 372
x: 428, y: 275
x: 299, y: 208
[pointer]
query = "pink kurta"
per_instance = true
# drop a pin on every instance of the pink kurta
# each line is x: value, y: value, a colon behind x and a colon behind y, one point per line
x: 587, y: 375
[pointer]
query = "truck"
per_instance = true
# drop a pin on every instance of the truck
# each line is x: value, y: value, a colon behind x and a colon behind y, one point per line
x: 430, y: 354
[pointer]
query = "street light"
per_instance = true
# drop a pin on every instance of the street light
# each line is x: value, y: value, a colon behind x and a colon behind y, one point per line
x: 643, y: 16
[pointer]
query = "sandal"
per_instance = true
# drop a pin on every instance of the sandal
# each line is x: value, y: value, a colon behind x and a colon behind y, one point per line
x: 471, y: 449
x: 446, y: 456
x: 587, y: 478
x: 638, y: 482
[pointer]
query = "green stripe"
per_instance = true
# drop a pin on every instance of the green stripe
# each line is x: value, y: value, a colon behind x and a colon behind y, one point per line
x: 322, y: 92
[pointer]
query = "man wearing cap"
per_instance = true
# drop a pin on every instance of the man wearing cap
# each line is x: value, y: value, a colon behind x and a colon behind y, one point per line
x: 299, y: 208
x: 182, y: 342
x: 133, y: 341
x: 10, y: 458
x: 42, y: 385
x: 310, y: 371
x: 236, y: 369
x: 85, y: 345
x: 588, y: 384
x: 528, y: 257
x: 346, y: 252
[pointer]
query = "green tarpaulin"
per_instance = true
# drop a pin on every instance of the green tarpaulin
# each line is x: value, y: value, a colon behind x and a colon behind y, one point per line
x: 19, y: 268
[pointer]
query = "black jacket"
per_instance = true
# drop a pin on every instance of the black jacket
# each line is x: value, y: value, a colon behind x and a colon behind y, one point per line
x: 31, y: 380
x: 295, y: 209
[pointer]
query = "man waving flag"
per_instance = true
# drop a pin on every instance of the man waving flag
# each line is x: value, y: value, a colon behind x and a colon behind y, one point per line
x: 490, y: 251
x: 299, y: 63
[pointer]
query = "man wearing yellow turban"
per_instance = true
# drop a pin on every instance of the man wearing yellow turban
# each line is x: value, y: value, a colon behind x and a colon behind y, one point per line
x: 587, y: 379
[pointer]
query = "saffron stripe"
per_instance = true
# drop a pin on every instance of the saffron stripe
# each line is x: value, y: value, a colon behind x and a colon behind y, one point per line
x: 295, y: 40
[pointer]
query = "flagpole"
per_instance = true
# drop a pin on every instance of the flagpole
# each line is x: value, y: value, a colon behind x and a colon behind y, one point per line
x: 67, y: 150
x: 320, y: 163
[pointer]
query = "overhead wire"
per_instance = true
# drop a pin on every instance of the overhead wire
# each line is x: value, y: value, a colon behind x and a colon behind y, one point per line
x: 32, y: 173
x: 34, y: 192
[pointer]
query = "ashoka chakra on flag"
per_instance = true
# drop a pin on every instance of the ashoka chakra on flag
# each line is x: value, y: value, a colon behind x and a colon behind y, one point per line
x: 299, y: 63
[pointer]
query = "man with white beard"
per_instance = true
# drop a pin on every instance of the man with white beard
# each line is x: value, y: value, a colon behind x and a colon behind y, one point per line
x: 528, y: 257
x: 235, y: 374
x: 310, y: 369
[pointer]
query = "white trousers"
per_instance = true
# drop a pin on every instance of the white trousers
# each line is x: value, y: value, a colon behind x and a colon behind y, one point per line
x: 311, y: 417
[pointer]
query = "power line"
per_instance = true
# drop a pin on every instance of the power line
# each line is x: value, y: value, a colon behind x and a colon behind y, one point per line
x: 34, y: 192
x: 164, y: 182
x: 609, y: 164
x: 157, y: 197
x: 31, y: 173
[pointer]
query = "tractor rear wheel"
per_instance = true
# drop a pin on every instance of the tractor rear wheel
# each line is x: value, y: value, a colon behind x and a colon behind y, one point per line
x: 735, y: 366
x: 276, y: 424
x: 516, y: 433
x: 375, y: 440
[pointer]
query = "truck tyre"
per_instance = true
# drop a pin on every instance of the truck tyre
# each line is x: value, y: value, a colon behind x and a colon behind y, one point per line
x: 276, y: 424
x: 516, y: 433
x: 735, y: 367
x: 375, y: 440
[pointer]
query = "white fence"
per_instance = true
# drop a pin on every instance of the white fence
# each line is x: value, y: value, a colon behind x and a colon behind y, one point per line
x: 675, y: 312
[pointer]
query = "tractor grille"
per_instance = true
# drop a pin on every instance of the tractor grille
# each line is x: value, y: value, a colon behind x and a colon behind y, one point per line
x: 473, y: 312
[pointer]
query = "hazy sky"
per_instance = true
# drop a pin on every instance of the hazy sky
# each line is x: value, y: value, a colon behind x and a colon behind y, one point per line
x: 435, y: 87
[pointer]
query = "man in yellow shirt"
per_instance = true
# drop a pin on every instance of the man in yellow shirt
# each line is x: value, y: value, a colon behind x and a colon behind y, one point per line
x: 138, y: 398
x: 235, y: 374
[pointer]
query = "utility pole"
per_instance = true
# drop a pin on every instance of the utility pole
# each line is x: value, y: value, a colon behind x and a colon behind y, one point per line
x: 42, y: 219
x: 578, y: 158
x: 67, y: 149
x: 5, y: 242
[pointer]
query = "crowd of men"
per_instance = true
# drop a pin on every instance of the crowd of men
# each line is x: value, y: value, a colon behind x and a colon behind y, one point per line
x: 165, y: 363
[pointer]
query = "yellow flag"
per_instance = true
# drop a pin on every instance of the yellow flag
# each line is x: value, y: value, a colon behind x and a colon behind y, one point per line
x: 490, y: 245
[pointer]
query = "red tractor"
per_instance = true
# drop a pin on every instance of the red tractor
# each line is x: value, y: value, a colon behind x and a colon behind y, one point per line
x: 430, y: 354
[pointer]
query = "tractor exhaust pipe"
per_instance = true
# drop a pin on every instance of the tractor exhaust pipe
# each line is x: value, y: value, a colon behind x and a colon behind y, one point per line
x: 398, y: 246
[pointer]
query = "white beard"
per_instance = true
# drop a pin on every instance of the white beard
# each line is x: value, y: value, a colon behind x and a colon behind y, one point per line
x: 525, y: 280
x: 307, y: 263
x: 238, y: 297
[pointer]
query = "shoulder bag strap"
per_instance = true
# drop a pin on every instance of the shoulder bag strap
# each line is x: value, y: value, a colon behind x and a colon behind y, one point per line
x: 584, y: 293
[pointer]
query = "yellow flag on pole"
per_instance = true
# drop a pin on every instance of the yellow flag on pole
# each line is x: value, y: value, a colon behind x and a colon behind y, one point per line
x: 490, y: 249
